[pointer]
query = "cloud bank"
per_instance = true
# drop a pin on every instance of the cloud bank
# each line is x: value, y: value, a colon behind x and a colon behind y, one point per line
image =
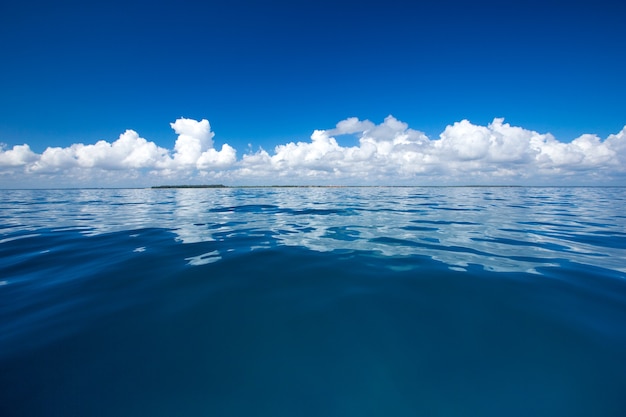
x: 389, y: 153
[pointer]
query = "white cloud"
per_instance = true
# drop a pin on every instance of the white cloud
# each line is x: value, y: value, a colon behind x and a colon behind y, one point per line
x: 351, y: 125
x: 55, y: 159
x: 211, y: 158
x: 464, y: 153
x: 129, y: 151
x: 385, y: 153
x: 17, y: 156
x: 194, y: 138
x: 465, y: 142
x: 617, y: 143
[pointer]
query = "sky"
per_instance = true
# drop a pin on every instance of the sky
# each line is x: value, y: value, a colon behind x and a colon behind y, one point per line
x: 140, y: 93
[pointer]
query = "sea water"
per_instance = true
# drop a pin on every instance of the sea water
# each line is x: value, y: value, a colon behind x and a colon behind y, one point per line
x: 451, y: 301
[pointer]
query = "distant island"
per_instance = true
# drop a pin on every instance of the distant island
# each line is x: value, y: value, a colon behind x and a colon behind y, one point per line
x: 191, y: 186
x: 249, y: 186
x: 335, y: 186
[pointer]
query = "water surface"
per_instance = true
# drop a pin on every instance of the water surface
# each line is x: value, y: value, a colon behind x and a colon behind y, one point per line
x: 313, y: 302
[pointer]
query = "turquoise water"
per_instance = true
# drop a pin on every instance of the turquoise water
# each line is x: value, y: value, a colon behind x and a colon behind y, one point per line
x: 313, y: 302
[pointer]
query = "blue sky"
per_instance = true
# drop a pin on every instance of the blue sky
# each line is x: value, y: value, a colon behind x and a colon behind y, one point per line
x: 269, y: 73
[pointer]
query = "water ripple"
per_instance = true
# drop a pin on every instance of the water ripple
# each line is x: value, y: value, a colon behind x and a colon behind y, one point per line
x: 399, y: 296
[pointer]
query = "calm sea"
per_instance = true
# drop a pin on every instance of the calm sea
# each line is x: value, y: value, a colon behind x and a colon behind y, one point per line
x: 313, y: 302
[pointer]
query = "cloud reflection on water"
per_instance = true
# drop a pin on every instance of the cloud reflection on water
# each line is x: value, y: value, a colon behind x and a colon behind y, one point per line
x: 501, y: 229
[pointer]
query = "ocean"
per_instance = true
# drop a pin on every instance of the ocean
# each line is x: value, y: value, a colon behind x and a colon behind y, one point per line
x: 349, y: 301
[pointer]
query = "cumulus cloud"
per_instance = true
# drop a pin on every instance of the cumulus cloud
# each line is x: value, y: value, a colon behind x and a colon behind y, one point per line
x: 464, y: 153
x: 129, y: 151
x: 17, y: 156
x: 212, y: 158
x: 194, y: 138
x: 387, y: 153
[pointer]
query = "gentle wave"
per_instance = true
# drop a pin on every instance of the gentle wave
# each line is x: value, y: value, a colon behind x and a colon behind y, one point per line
x: 503, y: 301
x: 589, y: 228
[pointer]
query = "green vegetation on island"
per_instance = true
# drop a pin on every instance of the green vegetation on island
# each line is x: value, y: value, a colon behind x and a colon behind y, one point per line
x: 329, y: 186
x: 191, y: 186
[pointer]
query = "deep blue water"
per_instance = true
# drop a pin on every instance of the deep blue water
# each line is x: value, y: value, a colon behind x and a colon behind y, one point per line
x: 313, y: 302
